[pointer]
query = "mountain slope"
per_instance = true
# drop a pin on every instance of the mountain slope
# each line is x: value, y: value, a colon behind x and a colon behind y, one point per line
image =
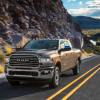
x: 37, y: 19
x: 87, y: 22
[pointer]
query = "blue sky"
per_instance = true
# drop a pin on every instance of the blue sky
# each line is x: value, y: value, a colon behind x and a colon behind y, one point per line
x: 83, y: 7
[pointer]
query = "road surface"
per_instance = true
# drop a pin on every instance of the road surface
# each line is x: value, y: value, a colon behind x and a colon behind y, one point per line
x: 85, y: 86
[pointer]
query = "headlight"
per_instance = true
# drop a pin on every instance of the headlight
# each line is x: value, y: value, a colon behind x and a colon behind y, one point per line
x: 7, y: 60
x: 45, y: 60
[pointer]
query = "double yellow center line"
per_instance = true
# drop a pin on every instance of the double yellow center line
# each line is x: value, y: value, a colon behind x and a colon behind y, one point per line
x: 77, y: 87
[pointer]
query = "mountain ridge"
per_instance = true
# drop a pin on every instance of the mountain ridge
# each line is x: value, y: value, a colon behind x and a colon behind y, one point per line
x: 87, y: 22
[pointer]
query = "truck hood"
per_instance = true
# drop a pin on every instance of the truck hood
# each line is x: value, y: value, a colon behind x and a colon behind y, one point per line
x: 42, y: 52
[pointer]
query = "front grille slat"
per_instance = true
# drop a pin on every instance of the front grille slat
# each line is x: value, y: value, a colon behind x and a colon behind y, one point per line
x: 23, y: 73
x: 24, y: 61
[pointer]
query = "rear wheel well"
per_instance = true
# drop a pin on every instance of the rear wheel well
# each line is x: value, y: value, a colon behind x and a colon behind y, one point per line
x: 58, y: 64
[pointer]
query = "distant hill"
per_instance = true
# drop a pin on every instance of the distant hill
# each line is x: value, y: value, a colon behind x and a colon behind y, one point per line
x: 96, y: 37
x: 87, y: 22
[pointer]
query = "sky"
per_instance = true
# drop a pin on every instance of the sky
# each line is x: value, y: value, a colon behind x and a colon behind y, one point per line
x: 89, y: 8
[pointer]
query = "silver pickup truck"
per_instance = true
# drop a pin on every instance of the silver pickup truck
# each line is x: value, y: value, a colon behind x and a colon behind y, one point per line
x: 43, y: 60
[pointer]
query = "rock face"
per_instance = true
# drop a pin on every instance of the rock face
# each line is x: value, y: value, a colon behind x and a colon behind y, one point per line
x: 38, y: 19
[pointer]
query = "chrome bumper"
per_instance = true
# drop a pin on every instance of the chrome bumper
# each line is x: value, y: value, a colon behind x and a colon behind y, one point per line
x: 46, y: 73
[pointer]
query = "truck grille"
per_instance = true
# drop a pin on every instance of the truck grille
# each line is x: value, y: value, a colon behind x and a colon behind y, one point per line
x: 23, y: 73
x: 24, y: 61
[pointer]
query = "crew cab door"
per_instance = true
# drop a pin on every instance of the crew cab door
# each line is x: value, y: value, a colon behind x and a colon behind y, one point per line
x: 65, y: 55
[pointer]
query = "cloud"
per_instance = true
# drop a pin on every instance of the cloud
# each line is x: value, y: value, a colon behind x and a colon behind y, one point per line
x: 96, y: 13
x: 92, y: 9
x: 81, y: 11
x: 83, y: 8
x: 72, y: 0
x: 85, y: 12
x: 93, y: 4
x: 97, y: 1
x: 80, y: 2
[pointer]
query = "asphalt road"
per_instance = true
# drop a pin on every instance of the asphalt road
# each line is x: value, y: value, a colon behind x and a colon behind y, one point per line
x: 82, y: 87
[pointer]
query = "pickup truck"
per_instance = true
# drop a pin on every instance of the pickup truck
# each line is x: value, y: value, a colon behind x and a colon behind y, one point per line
x: 43, y: 60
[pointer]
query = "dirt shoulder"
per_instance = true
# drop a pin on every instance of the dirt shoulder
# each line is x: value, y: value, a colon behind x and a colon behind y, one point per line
x: 86, y: 55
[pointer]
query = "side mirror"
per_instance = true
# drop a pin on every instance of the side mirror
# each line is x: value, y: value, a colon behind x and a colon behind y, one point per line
x: 67, y: 48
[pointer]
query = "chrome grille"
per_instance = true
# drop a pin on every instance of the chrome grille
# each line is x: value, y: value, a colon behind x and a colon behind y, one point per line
x: 24, y: 61
x: 23, y: 73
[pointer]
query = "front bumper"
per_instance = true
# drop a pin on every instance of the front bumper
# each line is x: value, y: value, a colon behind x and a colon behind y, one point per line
x: 18, y: 73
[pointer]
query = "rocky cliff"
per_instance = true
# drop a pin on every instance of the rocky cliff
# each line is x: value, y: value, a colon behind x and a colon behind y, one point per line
x: 38, y: 19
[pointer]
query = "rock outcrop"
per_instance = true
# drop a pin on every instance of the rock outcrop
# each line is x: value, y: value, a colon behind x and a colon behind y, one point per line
x: 38, y: 19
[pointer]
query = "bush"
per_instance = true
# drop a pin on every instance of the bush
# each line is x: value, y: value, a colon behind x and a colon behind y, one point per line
x: 89, y: 50
x: 8, y: 49
x: 2, y: 61
x: 1, y: 69
x: 2, y: 57
x: 97, y: 50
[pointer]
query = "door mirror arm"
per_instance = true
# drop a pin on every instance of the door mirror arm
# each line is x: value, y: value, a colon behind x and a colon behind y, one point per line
x: 59, y: 51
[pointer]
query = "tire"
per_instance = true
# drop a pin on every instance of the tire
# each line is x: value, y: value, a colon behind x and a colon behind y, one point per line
x: 76, y: 69
x: 55, y: 81
x: 14, y: 83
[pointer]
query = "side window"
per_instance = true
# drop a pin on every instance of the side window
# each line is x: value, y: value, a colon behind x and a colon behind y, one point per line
x: 67, y: 44
x: 64, y: 44
x: 61, y: 44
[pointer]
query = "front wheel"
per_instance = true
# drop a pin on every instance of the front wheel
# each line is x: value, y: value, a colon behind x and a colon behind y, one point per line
x: 76, y: 69
x: 56, y: 78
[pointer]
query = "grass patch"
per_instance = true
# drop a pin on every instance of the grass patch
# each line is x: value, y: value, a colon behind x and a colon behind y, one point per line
x: 90, y: 31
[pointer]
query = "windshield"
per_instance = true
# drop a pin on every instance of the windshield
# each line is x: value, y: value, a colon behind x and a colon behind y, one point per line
x: 42, y: 44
